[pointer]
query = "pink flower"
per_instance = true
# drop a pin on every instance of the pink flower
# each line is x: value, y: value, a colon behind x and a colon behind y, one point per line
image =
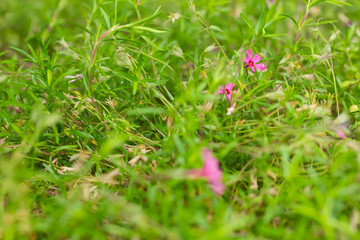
x: 251, y: 61
x: 340, y: 134
x: 74, y: 78
x: 270, y: 2
x: 227, y: 90
x: 211, y: 171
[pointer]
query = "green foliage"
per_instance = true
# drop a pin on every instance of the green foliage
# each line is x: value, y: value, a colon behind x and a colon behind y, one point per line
x: 106, y: 105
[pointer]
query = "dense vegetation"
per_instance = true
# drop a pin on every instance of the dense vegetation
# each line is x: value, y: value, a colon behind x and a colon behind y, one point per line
x: 168, y: 119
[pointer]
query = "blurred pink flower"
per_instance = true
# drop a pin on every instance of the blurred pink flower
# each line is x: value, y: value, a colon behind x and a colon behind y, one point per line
x: 340, y: 134
x: 227, y: 90
x: 270, y: 2
x: 74, y: 78
x: 251, y: 61
x: 340, y: 126
x: 211, y: 171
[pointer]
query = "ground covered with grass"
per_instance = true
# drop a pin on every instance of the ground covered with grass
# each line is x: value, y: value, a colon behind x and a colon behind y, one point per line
x: 168, y: 119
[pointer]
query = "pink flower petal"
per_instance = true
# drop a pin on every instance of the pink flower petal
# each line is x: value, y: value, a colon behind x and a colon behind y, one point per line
x: 212, y: 172
x: 251, y: 61
x: 249, y: 54
x: 228, y: 96
x: 260, y: 66
x: 256, y: 58
x: 340, y: 134
x: 218, y: 188
x: 210, y: 168
x: 229, y: 86
x: 226, y: 90
x: 221, y: 91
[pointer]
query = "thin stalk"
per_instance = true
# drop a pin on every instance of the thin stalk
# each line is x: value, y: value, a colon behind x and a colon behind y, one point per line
x: 335, y: 87
x: 217, y: 43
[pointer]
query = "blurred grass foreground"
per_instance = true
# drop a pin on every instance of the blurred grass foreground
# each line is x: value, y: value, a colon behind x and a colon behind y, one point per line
x: 179, y: 119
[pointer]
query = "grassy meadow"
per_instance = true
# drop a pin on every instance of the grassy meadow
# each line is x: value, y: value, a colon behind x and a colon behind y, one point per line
x: 179, y: 119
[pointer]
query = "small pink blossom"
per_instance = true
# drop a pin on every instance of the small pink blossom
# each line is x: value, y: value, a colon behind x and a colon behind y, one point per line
x: 270, y: 2
x: 74, y: 78
x: 251, y: 61
x: 340, y: 126
x: 227, y: 90
x: 211, y: 171
x: 340, y: 134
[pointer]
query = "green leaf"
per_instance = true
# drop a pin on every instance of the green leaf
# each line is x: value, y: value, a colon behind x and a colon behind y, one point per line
x: 274, y: 35
x: 334, y: 2
x: 155, y: 82
x: 43, y: 47
x: 145, y: 110
x: 144, y: 20
x: 147, y: 29
x: 348, y: 83
x: 321, y: 23
x: 261, y: 22
x: 82, y: 134
x: 3, y: 53
x: 246, y: 20
x: 291, y: 18
x: 216, y: 28
x: 24, y: 53
x: 105, y: 18
x: 149, y: 41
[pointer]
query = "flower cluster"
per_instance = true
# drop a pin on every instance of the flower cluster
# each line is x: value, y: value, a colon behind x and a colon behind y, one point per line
x: 252, y: 62
x: 211, y: 170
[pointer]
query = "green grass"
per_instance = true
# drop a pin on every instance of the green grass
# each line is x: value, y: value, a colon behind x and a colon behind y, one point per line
x: 147, y: 92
